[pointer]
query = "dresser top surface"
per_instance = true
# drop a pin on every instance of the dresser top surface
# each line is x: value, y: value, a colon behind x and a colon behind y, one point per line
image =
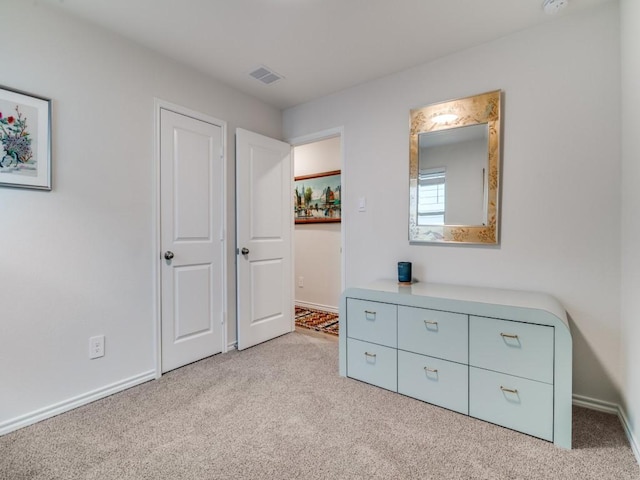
x: 481, y: 295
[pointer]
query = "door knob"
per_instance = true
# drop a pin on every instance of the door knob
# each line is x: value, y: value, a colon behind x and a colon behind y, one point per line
x: 168, y: 255
x: 245, y: 251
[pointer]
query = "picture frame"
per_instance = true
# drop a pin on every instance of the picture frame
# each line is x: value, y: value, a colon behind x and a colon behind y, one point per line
x: 25, y: 140
x: 317, y: 198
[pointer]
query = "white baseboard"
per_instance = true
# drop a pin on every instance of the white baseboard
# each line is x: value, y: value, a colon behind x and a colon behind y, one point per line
x: 595, y: 404
x: 232, y: 346
x: 74, y: 402
x: 635, y: 445
x: 316, y: 306
x: 614, y: 408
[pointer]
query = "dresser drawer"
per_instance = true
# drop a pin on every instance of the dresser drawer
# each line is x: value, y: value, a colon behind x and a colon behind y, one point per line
x: 434, y: 333
x: 373, y: 364
x: 513, y: 402
x: 433, y: 380
x: 516, y: 348
x: 372, y: 321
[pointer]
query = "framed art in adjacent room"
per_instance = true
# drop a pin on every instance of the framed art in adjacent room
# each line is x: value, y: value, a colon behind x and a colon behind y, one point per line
x: 25, y: 140
x: 317, y: 198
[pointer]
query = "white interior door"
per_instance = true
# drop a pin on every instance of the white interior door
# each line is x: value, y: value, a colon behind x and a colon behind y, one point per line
x: 191, y: 216
x: 264, y: 219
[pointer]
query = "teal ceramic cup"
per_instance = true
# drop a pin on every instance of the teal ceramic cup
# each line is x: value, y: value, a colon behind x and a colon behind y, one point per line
x: 404, y: 272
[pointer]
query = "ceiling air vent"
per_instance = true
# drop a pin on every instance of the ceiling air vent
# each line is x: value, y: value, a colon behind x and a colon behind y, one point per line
x: 265, y: 75
x: 551, y: 7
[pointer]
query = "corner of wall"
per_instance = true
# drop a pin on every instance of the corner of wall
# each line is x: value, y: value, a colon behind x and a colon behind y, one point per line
x: 615, y: 409
x: 635, y: 443
x: 630, y: 224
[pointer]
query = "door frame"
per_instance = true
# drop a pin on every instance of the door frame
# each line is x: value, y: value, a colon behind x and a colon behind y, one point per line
x: 158, y: 105
x: 312, y: 138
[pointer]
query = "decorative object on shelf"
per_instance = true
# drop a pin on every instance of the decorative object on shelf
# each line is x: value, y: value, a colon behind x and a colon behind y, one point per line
x: 317, y: 198
x: 404, y: 273
x: 454, y: 171
x: 25, y: 140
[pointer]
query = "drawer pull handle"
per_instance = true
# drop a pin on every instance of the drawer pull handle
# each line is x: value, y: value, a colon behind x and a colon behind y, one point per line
x: 509, y: 390
x: 370, y: 354
x: 508, y: 335
x: 427, y: 322
x: 430, y: 370
x: 369, y: 312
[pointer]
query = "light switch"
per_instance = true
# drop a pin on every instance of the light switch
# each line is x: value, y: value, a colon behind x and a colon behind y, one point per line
x: 362, y: 204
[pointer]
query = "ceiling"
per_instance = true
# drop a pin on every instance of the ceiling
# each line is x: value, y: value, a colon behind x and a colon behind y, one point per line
x: 318, y: 46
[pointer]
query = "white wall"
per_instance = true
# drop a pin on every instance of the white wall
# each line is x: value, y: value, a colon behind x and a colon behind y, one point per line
x: 630, y: 333
x: 317, y: 246
x: 561, y: 175
x: 77, y: 261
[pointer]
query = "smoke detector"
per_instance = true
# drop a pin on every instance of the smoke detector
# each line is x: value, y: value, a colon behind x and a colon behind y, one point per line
x: 265, y: 75
x: 551, y: 7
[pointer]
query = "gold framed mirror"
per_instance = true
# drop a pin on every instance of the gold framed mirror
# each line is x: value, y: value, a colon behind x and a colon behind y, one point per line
x: 454, y: 171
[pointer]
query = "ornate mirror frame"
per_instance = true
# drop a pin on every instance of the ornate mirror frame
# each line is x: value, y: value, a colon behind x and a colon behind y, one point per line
x: 478, y: 109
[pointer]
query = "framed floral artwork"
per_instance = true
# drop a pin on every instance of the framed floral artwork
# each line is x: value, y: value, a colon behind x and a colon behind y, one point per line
x: 25, y: 140
x: 317, y: 198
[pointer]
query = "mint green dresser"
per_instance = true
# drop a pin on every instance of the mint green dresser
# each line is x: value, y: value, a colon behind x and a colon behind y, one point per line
x: 502, y: 356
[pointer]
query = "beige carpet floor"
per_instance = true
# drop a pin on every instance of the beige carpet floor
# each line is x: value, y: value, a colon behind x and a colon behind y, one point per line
x: 280, y: 411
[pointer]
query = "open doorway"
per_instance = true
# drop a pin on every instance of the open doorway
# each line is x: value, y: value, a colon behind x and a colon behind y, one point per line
x: 318, y: 277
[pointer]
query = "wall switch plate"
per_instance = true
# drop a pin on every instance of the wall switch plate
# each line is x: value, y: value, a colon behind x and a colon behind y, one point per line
x: 362, y: 204
x: 96, y: 346
x: 300, y: 282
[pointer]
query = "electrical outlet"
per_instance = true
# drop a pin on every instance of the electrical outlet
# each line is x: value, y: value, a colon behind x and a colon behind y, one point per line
x: 96, y: 346
x: 300, y: 282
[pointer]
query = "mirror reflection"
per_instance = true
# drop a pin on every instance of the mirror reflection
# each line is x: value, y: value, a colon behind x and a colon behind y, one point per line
x: 452, y: 176
x: 454, y: 171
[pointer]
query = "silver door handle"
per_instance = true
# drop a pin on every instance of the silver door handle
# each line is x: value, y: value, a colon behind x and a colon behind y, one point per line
x: 168, y: 255
x: 244, y: 251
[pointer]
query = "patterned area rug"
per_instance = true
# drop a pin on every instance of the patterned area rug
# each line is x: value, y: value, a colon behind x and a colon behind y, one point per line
x: 318, y: 320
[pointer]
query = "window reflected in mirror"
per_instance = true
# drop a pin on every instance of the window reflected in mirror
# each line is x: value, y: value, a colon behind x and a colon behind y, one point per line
x: 431, y: 196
